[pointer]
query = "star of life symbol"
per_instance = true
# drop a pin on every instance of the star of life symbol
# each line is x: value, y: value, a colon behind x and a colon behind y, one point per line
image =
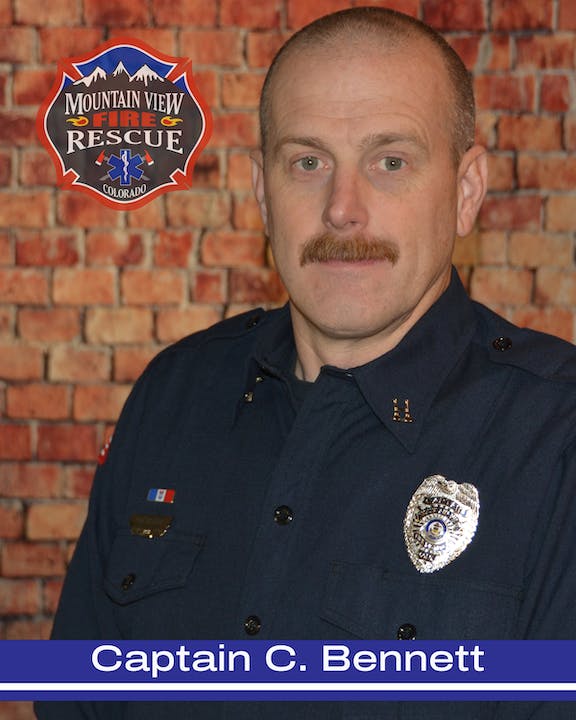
x: 125, y: 167
x: 133, y: 108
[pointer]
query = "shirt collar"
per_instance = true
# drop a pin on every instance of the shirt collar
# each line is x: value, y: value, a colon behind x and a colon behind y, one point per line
x: 399, y: 386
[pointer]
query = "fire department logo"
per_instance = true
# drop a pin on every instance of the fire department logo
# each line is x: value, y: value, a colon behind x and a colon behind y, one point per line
x: 124, y: 124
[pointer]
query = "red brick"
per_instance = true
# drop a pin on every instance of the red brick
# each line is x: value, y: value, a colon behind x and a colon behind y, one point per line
x: 301, y: 13
x: 255, y: 14
x: 15, y: 442
x: 78, y: 209
x: 106, y: 248
x: 241, y: 90
x: 37, y: 400
x: 468, y: 48
x: 19, y: 597
x: 25, y: 630
x: 48, y: 248
x: 486, y: 128
x: 24, y: 209
x: 129, y: 362
x: 26, y: 560
x: 409, y: 7
x: 99, y: 402
x: 555, y: 95
x: 36, y: 169
x: 118, y: 325
x: 57, y: 12
x: 6, y: 324
x: 454, y: 15
x: 30, y: 86
x: 51, y: 594
x: 173, y: 249
x: 62, y: 42
x: 547, y: 51
x: 541, y: 171
x: 149, y: 216
x: 555, y: 286
x: 504, y: 92
x: 78, y: 364
x: 262, y: 46
x: 197, y: 13
x: 198, y: 209
x: 23, y: 287
x: 506, y: 286
x: 535, y: 249
x: 49, y: 325
x: 123, y: 13
x: 212, y: 47
x: 77, y: 481
x: 235, y: 129
x: 560, y: 213
x: 6, y: 17
x: 533, y: 132
x: 29, y: 480
x: 153, y: 287
x: 5, y: 167
x: 6, y: 254
x: 84, y: 286
x: 494, y: 52
x: 176, y: 323
x: 255, y: 285
x: 207, y: 172
x: 500, y: 172
x: 239, y: 175
x: 55, y: 520
x: 67, y: 442
x: 554, y: 320
x: 208, y: 84
x: 18, y: 45
x: 520, y: 212
x: 209, y: 286
x: 522, y: 14
x: 570, y: 131
x: 162, y: 40
x: 11, y: 521
x: 21, y: 362
x: 16, y: 129
x: 232, y: 249
x: 246, y: 214
x: 566, y: 15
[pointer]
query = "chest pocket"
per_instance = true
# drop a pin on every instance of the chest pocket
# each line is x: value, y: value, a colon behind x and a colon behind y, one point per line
x: 370, y: 603
x: 139, y: 567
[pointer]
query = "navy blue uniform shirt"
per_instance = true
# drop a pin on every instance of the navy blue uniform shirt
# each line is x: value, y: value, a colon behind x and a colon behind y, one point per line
x: 290, y: 499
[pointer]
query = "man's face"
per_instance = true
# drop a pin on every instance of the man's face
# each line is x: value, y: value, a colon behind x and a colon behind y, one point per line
x: 359, y: 190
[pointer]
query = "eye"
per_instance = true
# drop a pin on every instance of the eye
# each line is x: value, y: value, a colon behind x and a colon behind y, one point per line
x: 308, y: 163
x: 390, y: 164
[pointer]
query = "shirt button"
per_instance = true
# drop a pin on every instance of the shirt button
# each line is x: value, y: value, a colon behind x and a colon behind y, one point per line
x: 502, y: 344
x: 128, y: 581
x: 406, y: 631
x: 252, y: 321
x: 249, y: 396
x: 283, y: 515
x: 252, y: 625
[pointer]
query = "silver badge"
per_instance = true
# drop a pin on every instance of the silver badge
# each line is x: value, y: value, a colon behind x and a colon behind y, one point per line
x: 440, y: 522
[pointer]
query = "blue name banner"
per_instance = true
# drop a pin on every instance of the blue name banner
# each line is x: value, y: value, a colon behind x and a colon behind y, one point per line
x: 287, y: 670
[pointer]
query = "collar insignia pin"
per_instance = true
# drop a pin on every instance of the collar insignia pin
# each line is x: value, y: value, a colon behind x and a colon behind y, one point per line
x: 440, y: 522
x: 404, y: 416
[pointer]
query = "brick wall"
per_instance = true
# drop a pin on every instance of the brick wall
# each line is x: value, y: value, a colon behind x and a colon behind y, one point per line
x: 89, y: 294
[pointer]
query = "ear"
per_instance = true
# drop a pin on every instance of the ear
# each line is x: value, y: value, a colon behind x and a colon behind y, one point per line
x: 257, y: 161
x: 472, y: 185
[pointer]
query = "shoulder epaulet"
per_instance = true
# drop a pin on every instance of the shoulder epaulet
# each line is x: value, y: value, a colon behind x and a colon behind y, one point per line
x: 536, y: 352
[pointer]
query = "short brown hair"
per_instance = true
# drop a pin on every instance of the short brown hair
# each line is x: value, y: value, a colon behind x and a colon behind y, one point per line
x: 395, y: 28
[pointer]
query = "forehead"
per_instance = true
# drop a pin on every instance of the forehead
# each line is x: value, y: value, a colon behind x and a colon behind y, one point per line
x: 369, y: 87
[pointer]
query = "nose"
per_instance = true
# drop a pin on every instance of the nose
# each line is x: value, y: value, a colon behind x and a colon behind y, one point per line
x: 345, y: 207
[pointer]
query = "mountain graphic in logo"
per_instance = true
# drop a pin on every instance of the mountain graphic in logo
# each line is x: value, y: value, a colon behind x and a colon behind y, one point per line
x: 124, y: 124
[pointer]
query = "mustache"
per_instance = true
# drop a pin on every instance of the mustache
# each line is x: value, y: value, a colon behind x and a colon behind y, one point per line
x: 326, y: 248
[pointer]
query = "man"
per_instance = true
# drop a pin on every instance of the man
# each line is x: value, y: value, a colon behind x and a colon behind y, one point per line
x: 382, y: 459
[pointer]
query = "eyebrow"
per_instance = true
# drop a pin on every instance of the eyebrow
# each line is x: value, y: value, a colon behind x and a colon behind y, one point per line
x: 367, y: 142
